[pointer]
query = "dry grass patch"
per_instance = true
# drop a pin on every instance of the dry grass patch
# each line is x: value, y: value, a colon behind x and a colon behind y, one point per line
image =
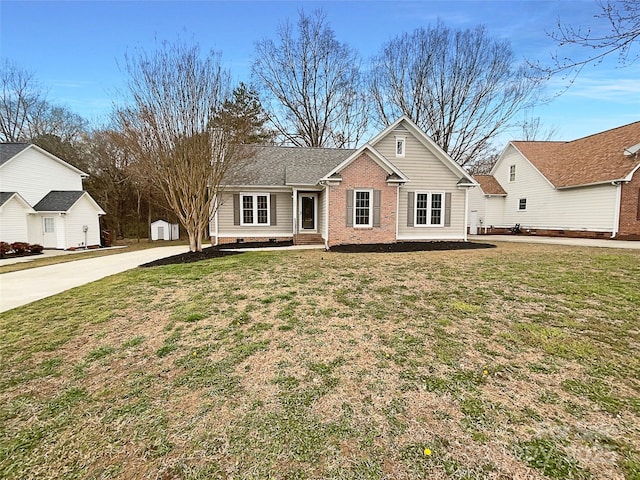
x: 516, y: 362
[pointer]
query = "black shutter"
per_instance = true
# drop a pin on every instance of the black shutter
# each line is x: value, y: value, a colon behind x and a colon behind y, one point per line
x: 410, y: 197
x: 272, y: 205
x: 236, y: 209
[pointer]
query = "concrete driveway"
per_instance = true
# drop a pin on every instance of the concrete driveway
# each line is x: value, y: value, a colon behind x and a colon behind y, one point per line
x: 26, y: 286
x: 577, y: 242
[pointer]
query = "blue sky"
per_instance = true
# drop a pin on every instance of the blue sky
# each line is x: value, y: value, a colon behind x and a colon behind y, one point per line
x: 73, y: 48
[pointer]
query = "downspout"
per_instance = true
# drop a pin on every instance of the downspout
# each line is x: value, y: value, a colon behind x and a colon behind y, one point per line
x: 397, y: 211
x: 466, y: 212
x: 326, y: 216
x: 616, y: 212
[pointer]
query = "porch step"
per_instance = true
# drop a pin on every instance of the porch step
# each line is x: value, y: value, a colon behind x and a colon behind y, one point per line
x: 308, y: 239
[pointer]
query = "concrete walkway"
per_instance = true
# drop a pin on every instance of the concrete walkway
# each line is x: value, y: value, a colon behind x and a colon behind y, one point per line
x: 26, y: 286
x: 577, y: 242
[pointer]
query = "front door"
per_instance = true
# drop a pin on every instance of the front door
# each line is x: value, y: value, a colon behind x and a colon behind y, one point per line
x: 49, y: 237
x: 308, y: 212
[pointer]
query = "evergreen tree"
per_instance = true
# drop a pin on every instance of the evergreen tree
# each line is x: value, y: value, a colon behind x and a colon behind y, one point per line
x: 244, y: 115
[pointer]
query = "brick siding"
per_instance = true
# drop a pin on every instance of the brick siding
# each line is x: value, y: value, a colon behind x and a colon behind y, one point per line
x: 362, y: 173
x: 629, y: 226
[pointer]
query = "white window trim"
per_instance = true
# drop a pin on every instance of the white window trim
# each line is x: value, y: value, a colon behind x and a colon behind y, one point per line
x: 514, y: 173
x: 255, y: 196
x: 404, y: 146
x: 429, y: 203
x: 525, y: 205
x: 355, y: 194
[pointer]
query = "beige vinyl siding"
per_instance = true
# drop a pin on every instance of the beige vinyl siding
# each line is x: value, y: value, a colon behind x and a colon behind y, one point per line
x: 284, y: 217
x: 582, y: 208
x: 34, y: 174
x: 426, y: 172
x: 13, y: 222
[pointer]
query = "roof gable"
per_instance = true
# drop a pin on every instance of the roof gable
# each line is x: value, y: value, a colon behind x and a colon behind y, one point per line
x: 11, y: 151
x: 63, y: 201
x: 598, y: 158
x: 405, y: 123
x: 395, y: 175
x: 7, y: 196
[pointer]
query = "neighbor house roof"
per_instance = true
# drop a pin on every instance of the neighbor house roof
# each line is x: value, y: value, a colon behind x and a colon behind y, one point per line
x: 10, y: 150
x: 489, y: 185
x: 598, y: 158
x: 58, y: 201
x: 6, y: 196
x: 281, y: 166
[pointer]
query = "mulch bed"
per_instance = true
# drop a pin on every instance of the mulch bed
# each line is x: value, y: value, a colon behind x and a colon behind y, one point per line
x: 409, y: 247
x: 228, y: 249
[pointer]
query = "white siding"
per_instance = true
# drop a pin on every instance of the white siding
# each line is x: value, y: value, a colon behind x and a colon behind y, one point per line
x: 490, y: 209
x: 585, y: 208
x: 322, y: 213
x: 34, y: 223
x: 34, y: 174
x: 82, y: 213
x: 284, y: 217
x: 13, y: 222
x: 426, y: 173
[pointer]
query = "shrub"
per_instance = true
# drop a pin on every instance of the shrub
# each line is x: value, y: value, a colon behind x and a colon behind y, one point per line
x: 35, y: 248
x: 20, y: 248
x: 4, y: 248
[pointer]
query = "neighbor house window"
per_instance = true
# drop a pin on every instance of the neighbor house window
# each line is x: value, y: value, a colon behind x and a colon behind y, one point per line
x: 522, y: 204
x: 429, y: 209
x: 400, y: 144
x: 49, y: 225
x: 362, y: 208
x: 512, y: 173
x: 255, y: 209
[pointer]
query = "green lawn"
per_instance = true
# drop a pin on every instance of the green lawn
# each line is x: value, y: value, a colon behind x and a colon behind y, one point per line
x: 516, y: 362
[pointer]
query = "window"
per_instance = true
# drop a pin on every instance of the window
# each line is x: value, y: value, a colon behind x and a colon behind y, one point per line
x: 522, y: 204
x: 429, y: 209
x: 512, y: 173
x: 362, y: 208
x: 49, y: 225
x: 255, y: 209
x: 400, y: 143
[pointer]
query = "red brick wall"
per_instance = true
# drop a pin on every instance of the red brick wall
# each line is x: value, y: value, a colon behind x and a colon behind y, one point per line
x: 629, y: 225
x: 362, y: 173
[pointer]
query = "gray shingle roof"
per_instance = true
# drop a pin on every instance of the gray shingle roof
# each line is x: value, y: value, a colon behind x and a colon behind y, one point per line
x: 10, y: 150
x: 280, y: 166
x: 58, y: 201
x: 5, y: 196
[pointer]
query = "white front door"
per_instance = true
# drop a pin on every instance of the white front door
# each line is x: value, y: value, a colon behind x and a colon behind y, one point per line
x: 308, y: 212
x: 49, y: 237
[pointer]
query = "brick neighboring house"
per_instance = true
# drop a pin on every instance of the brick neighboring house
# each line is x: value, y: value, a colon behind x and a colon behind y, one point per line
x: 400, y: 186
x: 588, y: 187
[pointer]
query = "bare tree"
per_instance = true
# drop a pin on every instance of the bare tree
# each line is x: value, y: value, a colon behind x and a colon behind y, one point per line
x: 26, y: 115
x: 533, y: 129
x: 168, y: 127
x: 462, y: 87
x: 313, y: 84
x: 616, y: 30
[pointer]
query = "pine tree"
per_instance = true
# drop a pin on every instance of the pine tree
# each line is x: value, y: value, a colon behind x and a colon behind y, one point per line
x: 244, y: 115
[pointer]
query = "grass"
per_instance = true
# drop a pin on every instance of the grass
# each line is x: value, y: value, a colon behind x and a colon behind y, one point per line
x: 517, y: 362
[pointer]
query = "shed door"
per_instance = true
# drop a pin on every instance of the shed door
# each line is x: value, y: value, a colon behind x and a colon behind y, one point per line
x: 49, y: 238
x: 161, y: 232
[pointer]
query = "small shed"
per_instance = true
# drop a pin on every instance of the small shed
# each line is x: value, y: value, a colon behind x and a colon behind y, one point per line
x: 163, y: 230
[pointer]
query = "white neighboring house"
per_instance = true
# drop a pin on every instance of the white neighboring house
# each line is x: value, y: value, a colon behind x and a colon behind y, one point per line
x: 163, y: 230
x: 589, y: 187
x: 42, y: 200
